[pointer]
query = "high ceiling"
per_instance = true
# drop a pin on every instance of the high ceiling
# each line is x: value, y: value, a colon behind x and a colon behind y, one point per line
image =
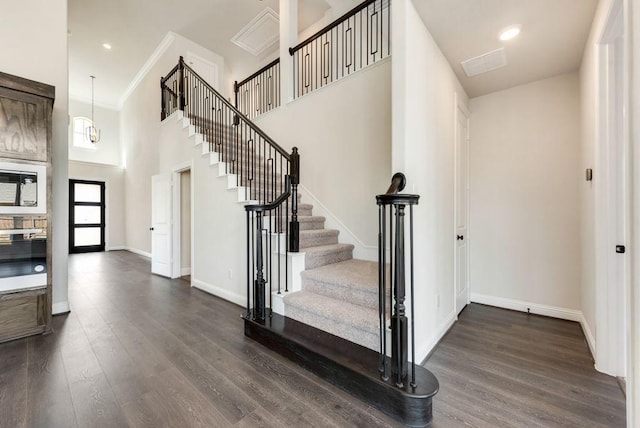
x: 134, y: 28
x: 553, y: 37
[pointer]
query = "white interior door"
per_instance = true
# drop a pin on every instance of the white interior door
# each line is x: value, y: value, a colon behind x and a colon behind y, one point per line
x: 205, y: 69
x: 161, y: 224
x: 462, y: 209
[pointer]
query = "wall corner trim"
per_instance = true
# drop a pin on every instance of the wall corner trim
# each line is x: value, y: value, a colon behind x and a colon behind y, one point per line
x: 60, y: 308
x: 155, y: 56
x: 424, y: 351
x: 588, y: 334
x: 361, y: 250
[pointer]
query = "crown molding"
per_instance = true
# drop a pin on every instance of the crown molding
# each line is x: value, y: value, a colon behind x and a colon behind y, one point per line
x: 151, y: 61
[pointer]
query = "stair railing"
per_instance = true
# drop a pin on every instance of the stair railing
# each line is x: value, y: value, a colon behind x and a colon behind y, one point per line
x: 260, y: 92
x: 394, y: 204
x: 266, y: 173
x: 358, y: 38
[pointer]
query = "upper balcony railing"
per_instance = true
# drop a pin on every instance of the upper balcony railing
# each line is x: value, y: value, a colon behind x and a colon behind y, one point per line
x: 355, y: 40
x: 260, y: 92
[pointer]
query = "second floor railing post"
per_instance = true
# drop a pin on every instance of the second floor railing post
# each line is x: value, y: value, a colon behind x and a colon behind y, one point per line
x: 181, y: 95
x: 294, y: 226
x: 163, y: 100
x: 236, y: 89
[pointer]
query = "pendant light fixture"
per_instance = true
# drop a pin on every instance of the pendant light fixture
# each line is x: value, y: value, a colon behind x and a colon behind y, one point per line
x: 91, y: 132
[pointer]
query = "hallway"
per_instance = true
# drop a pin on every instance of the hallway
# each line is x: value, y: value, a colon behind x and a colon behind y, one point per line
x: 141, y: 350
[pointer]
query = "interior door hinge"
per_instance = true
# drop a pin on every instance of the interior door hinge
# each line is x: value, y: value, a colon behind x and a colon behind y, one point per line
x: 620, y: 249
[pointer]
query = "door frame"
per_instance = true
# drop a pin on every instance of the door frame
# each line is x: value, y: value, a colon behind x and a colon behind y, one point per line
x: 460, y: 106
x: 176, y: 249
x: 612, y: 302
x: 103, y: 216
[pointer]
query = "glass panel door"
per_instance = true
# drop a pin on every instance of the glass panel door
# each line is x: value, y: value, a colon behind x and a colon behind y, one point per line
x: 86, y: 216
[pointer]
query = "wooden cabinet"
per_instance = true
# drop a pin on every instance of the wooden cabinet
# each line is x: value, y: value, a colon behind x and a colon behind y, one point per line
x: 25, y: 141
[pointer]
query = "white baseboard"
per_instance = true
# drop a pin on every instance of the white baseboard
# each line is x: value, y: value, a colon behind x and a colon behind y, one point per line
x: 138, y: 252
x: 60, y: 308
x: 534, y: 308
x: 588, y: 334
x: 185, y: 271
x: 116, y: 248
x: 425, y: 350
x: 219, y: 292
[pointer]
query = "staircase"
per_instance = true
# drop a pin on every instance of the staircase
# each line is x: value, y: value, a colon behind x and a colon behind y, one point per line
x: 336, y: 317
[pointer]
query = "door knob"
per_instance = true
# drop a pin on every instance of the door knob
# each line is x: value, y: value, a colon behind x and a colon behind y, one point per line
x: 459, y: 237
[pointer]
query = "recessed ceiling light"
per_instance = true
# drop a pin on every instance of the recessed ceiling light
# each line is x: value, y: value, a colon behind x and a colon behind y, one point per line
x: 509, y: 33
x: 107, y: 46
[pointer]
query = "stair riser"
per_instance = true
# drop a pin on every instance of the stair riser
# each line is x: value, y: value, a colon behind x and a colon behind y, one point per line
x: 313, y: 261
x: 369, y: 339
x: 314, y: 241
x: 304, y: 225
x: 366, y: 298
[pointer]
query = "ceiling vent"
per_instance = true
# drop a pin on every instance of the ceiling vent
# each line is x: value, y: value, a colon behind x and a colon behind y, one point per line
x: 259, y: 34
x: 485, y: 63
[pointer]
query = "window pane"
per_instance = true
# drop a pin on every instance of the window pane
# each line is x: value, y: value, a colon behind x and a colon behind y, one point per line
x: 84, y: 236
x: 87, y: 215
x: 87, y: 192
x: 78, y: 125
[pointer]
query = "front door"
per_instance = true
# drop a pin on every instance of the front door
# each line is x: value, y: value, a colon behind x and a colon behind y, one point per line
x: 161, y: 224
x: 462, y: 209
x: 86, y: 216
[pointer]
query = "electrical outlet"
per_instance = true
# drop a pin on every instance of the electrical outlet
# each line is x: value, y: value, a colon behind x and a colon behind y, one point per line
x: 230, y: 274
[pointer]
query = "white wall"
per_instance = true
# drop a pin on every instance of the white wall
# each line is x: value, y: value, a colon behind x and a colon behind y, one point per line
x: 139, y: 130
x: 113, y: 177
x: 633, y: 380
x: 219, y: 241
x: 588, y: 89
x: 423, y: 94
x: 525, y: 180
x: 107, y: 150
x: 343, y: 133
x: 34, y: 46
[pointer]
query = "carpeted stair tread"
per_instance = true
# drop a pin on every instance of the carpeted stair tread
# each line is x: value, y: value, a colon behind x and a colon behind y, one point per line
x: 352, y: 322
x: 316, y: 237
x: 327, y: 254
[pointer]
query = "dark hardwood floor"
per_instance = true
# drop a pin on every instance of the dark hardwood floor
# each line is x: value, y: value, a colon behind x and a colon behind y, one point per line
x: 143, y: 351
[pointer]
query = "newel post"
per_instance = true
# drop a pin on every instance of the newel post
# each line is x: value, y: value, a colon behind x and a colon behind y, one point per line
x: 181, y: 83
x: 294, y: 226
x: 399, y: 337
x: 259, y: 283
